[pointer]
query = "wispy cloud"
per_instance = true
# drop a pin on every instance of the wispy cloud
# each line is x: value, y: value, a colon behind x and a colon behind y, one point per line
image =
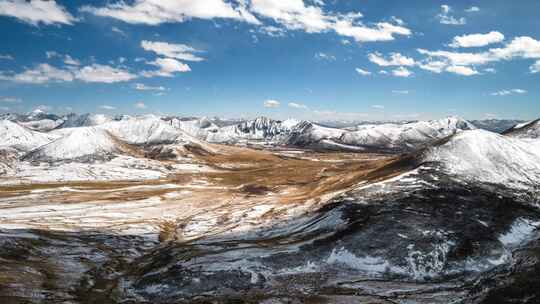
x: 508, y: 92
x: 362, y: 72
x: 271, y: 103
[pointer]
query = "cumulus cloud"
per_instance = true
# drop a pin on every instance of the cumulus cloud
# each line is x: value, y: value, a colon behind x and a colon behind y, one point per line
x: 270, y: 103
x: 167, y: 67
x: 362, y: 72
x: 45, y: 73
x: 143, y: 87
x: 36, y: 11
x: 535, y: 68
x: 140, y: 105
x: 170, y: 50
x: 519, y: 48
x: 396, y: 59
x: 461, y: 70
x: 401, y: 72
x: 297, y: 105
x: 103, y: 74
x: 6, y: 57
x: 106, y: 107
x: 508, y: 92
x: 476, y: 40
x: 288, y: 15
x: 155, y: 12
x: 445, y: 17
x: 42, y: 73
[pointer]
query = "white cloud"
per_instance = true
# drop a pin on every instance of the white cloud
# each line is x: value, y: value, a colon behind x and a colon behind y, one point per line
x: 383, y: 72
x: 535, y: 68
x: 403, y: 92
x: 272, y: 31
x: 297, y: 105
x: 519, y: 48
x: 508, y: 92
x: 143, y: 87
x: 6, y: 57
x: 36, y: 11
x: 473, y: 9
x: 9, y: 99
x: 362, y: 72
x: 296, y: 15
x: 167, y: 67
x: 378, y: 107
x: 45, y: 73
x: 477, y: 40
x: 396, y: 59
x: 170, y: 50
x: 103, y: 74
x: 106, y: 107
x: 120, y: 32
x: 433, y: 66
x: 155, y: 12
x: 324, y: 56
x: 270, y: 103
x: 461, y: 70
x: 70, y: 61
x: 140, y: 105
x: 42, y: 73
x: 401, y: 72
x: 445, y: 17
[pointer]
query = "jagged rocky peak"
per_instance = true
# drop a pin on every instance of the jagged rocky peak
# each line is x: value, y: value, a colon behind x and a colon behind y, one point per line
x: 525, y: 130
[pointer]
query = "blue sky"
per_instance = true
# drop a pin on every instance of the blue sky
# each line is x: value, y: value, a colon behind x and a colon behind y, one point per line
x: 313, y: 59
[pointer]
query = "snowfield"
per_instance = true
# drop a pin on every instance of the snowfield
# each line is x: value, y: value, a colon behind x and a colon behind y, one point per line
x: 490, y: 157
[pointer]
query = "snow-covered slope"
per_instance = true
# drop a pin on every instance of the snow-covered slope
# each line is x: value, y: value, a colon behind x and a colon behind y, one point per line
x: 384, y: 137
x: 83, y: 142
x: 259, y: 129
x: 16, y: 136
x: 489, y: 157
x: 84, y: 120
x: 197, y: 127
x: 43, y: 125
x: 525, y: 130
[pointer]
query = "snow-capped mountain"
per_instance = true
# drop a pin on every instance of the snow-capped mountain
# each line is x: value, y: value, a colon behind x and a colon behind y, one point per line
x: 496, y: 125
x: 529, y: 129
x: 380, y: 137
x: 489, y: 157
x: 43, y: 125
x: 260, y: 129
x: 89, y: 142
x: 21, y: 138
x: 196, y: 127
x: 146, y: 130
